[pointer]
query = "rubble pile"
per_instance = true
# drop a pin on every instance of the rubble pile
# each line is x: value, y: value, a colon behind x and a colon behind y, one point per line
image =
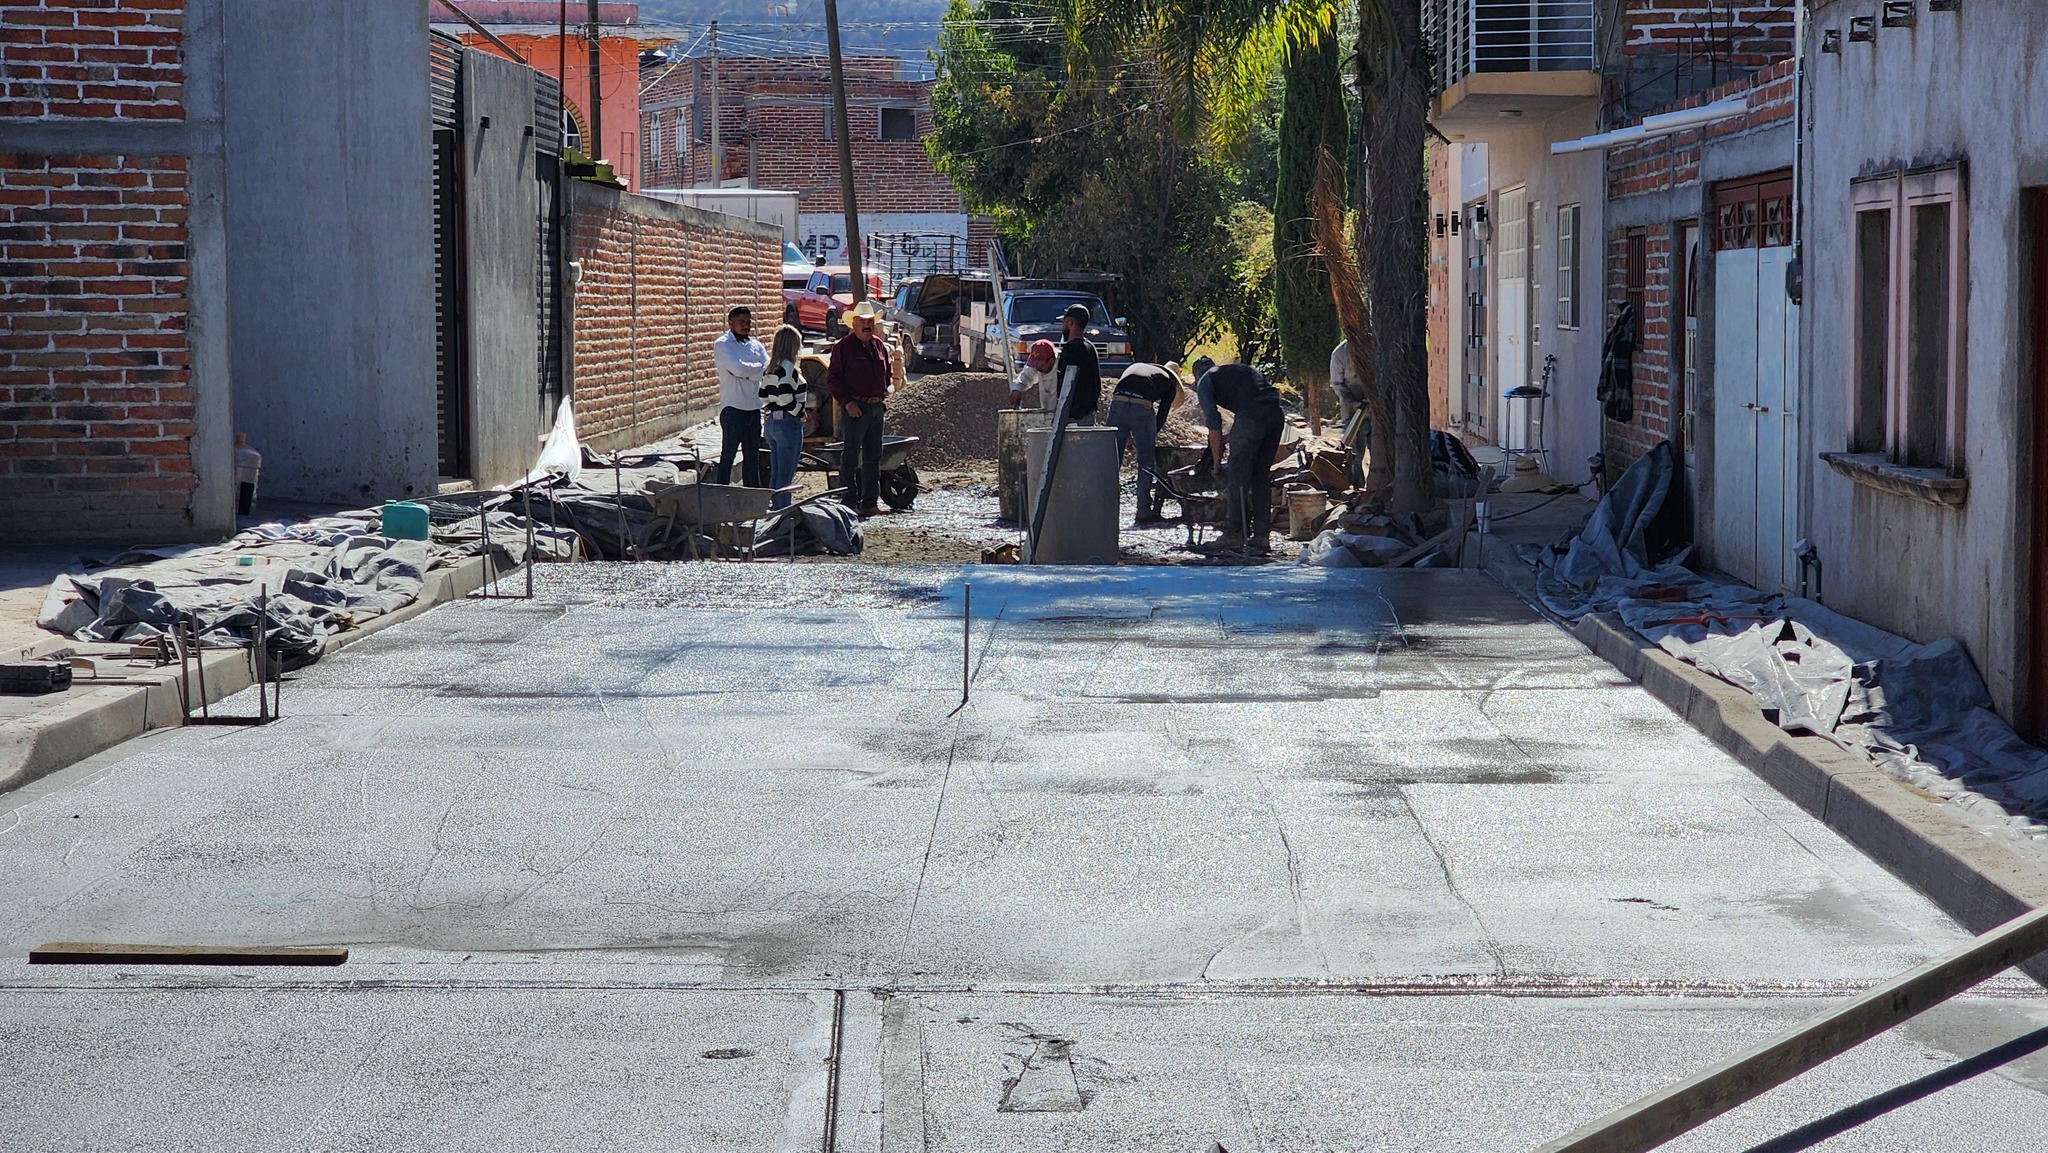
x: 953, y: 417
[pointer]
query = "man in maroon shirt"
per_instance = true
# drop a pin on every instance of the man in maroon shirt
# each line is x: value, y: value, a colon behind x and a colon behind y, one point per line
x: 858, y: 379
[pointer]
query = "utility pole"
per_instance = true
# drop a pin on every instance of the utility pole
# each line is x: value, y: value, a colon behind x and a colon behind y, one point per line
x: 717, y: 161
x: 596, y: 94
x: 860, y: 282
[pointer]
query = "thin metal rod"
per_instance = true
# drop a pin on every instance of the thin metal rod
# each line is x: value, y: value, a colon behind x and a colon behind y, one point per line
x: 199, y: 655
x: 484, y: 32
x: 526, y: 492
x: 1652, y: 1120
x: 262, y: 642
x: 831, y: 1139
x: 966, y: 635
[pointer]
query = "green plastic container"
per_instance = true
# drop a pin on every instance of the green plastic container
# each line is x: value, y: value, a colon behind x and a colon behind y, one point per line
x: 404, y: 520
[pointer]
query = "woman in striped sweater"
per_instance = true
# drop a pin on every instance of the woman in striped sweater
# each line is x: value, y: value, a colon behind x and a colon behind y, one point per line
x: 783, y: 411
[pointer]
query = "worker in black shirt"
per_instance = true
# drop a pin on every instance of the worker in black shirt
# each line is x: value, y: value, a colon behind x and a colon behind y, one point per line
x: 1255, y: 424
x: 1138, y: 408
x: 1079, y: 371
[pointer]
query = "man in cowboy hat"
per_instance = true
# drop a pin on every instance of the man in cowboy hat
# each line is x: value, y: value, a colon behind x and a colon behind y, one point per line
x: 858, y: 379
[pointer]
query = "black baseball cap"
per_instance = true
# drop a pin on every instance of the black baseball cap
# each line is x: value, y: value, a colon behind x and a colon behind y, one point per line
x: 1078, y: 311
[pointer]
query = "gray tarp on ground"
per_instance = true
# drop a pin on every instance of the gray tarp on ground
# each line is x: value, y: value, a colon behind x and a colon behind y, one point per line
x: 321, y: 575
x: 1920, y: 712
x: 821, y: 526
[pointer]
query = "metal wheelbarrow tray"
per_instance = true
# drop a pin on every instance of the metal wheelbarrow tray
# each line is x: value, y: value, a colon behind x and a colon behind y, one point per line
x: 899, y: 480
x: 699, y: 504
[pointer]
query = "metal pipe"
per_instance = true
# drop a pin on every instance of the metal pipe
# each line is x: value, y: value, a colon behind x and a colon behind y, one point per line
x: 596, y: 141
x: 717, y: 167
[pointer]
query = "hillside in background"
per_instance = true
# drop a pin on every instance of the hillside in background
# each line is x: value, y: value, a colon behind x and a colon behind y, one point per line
x: 906, y: 28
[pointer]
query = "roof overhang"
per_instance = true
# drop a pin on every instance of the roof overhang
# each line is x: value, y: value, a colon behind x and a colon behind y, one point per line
x: 1483, y: 101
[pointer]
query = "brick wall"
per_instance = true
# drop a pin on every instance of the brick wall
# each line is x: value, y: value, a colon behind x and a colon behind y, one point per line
x: 772, y: 110
x: 1639, y: 260
x: 1741, y: 35
x: 656, y: 281
x: 96, y: 400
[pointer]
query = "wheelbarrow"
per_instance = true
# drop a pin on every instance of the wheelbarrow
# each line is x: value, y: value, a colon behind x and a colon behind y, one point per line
x: 702, y: 506
x: 899, y: 480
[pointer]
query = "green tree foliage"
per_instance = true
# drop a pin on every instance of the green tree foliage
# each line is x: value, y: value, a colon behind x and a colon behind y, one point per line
x: 1313, y: 120
x: 1248, y: 310
x: 1064, y: 135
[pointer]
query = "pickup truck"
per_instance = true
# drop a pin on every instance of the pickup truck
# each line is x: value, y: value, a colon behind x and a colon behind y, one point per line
x: 926, y: 310
x: 816, y: 306
x: 1034, y: 314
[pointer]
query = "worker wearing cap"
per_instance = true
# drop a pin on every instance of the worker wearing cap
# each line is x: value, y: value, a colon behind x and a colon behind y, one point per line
x: 1138, y: 408
x: 1255, y: 424
x: 858, y: 379
x: 1035, y: 376
x: 1079, y: 370
x: 741, y: 360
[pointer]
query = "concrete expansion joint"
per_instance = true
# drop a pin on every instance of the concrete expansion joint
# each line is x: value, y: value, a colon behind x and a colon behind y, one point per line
x: 1974, y: 878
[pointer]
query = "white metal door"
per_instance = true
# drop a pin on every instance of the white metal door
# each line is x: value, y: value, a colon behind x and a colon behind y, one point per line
x: 1756, y: 433
x: 1511, y: 303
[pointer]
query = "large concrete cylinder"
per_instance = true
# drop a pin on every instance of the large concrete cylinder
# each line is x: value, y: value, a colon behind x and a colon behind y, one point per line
x: 1010, y: 469
x: 1083, y: 512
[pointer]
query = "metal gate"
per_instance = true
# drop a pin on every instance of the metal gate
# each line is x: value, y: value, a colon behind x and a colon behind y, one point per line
x: 451, y: 338
x: 547, y: 135
x: 1756, y: 374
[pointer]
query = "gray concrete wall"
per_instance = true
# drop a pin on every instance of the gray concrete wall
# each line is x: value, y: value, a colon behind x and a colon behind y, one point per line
x: 501, y: 209
x: 1521, y: 155
x: 330, y: 245
x: 1961, y: 86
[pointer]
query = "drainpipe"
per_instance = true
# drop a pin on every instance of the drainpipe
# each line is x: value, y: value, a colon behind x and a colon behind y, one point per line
x: 1795, y: 272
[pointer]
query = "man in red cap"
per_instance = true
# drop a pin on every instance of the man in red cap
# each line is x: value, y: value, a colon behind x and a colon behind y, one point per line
x: 1036, y: 374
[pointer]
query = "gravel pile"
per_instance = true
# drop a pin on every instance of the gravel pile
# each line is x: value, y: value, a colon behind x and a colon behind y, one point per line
x: 953, y: 415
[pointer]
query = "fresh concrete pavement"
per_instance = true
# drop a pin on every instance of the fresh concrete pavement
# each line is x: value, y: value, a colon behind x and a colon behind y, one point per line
x: 1281, y: 859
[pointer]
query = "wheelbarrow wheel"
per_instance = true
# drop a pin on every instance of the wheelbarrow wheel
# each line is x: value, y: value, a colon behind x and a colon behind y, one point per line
x: 899, y: 487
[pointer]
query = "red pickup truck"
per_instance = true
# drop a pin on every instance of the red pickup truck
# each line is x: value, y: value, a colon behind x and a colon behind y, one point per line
x: 816, y: 306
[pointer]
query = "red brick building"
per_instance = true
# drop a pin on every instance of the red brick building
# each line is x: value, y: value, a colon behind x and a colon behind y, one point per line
x: 105, y: 329
x: 776, y: 132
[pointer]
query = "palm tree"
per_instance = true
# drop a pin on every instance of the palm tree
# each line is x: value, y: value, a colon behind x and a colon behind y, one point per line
x: 1219, y: 56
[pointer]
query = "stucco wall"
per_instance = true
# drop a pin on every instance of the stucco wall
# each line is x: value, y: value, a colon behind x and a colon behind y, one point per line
x: 1522, y: 156
x: 330, y: 246
x: 501, y: 202
x: 1960, y: 86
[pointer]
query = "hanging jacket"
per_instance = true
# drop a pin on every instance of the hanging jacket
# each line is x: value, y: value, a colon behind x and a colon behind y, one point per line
x: 1617, y: 367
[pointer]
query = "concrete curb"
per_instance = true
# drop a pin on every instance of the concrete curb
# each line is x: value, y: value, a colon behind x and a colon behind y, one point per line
x: 94, y: 720
x: 1971, y: 875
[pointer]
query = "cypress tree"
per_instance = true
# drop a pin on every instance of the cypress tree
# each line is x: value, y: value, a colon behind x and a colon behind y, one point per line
x: 1312, y: 119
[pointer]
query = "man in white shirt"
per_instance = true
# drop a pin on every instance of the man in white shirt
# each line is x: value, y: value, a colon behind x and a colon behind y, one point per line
x: 741, y: 361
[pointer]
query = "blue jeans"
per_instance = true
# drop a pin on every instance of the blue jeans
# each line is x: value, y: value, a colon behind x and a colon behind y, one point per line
x: 1137, y: 421
x: 739, y: 430
x: 785, y: 444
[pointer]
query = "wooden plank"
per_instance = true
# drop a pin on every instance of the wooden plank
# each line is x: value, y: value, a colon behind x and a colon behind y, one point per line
x: 98, y: 953
x: 1652, y: 1120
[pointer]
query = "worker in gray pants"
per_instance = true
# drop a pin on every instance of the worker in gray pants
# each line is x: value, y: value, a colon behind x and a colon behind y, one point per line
x: 1255, y: 424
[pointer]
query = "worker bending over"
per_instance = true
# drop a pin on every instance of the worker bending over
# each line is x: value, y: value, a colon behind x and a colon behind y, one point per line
x: 1255, y: 424
x: 1033, y: 383
x: 1138, y: 408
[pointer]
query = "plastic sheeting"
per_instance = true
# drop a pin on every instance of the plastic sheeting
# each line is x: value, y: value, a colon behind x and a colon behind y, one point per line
x: 820, y: 527
x: 321, y: 576
x: 1918, y: 711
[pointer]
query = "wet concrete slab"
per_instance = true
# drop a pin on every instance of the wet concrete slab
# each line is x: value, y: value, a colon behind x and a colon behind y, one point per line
x: 742, y: 781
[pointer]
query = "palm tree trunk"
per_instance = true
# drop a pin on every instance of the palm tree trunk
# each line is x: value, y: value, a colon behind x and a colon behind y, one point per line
x: 1393, y: 235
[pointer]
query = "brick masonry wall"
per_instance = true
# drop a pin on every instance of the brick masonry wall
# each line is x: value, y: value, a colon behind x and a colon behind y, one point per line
x: 656, y: 282
x: 96, y: 400
x: 1655, y: 166
x: 1738, y: 34
x: 774, y: 110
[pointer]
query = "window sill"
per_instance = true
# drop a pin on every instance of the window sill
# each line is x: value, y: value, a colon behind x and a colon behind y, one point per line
x: 1871, y: 469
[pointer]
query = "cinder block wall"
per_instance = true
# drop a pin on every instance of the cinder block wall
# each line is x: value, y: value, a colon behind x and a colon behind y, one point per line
x: 97, y: 405
x: 656, y: 279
